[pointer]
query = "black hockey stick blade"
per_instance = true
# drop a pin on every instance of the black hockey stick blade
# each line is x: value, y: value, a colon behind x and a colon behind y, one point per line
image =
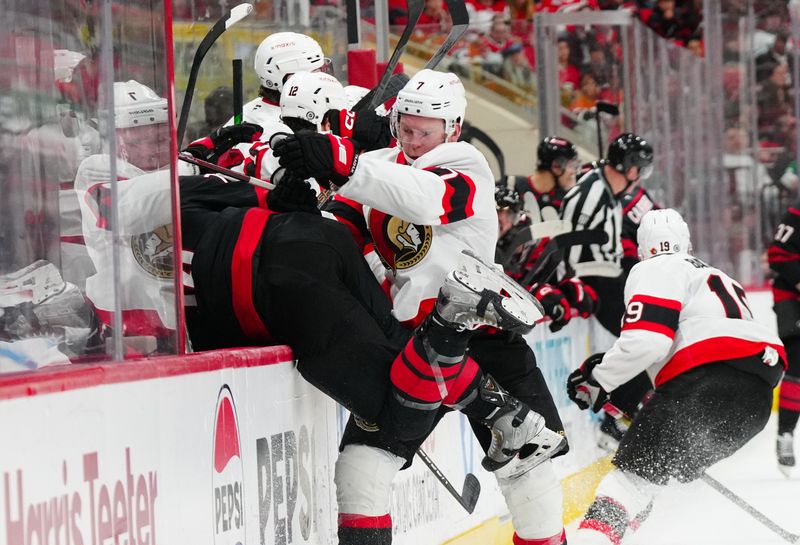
x: 472, y: 487
x: 554, y: 251
x: 471, y: 492
x: 460, y: 19
x: 749, y: 509
x: 415, y: 8
x: 224, y: 23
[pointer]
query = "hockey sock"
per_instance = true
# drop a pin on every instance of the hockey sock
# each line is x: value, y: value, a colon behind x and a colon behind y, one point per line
x: 788, y: 405
x: 359, y: 530
x: 431, y: 369
x: 534, y: 500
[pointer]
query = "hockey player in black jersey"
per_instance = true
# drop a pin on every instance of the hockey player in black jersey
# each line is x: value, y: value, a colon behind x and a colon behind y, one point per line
x: 689, y: 327
x: 784, y: 260
x: 556, y: 168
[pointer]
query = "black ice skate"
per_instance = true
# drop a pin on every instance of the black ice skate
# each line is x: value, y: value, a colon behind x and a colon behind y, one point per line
x: 478, y: 294
x: 514, y: 425
x: 784, y: 448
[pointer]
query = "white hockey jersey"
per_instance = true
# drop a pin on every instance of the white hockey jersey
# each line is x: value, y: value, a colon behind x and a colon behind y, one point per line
x: 420, y: 216
x: 261, y: 112
x: 146, y: 273
x: 681, y: 313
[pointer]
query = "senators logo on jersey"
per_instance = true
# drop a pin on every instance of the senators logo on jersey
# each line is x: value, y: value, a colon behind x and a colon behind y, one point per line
x: 153, y: 252
x: 403, y: 244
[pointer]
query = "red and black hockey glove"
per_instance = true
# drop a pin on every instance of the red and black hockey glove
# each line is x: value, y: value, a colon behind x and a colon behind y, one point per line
x: 581, y: 297
x: 582, y: 389
x: 291, y: 194
x: 325, y: 157
x: 211, y: 147
x: 369, y: 129
x: 556, y: 307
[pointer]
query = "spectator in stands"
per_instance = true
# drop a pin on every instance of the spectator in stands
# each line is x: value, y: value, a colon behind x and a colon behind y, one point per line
x: 482, y: 12
x: 661, y: 18
x: 695, y: 45
x: 494, y: 43
x: 587, y: 96
x: 773, y: 97
x: 568, y: 74
x: 600, y: 64
x: 435, y: 17
x: 516, y: 68
x: 776, y: 54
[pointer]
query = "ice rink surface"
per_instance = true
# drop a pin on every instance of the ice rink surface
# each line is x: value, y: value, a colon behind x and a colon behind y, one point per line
x: 696, y: 514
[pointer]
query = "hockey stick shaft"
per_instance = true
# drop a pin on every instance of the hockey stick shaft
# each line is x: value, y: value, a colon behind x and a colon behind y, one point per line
x: 224, y: 23
x: 238, y: 92
x: 749, y: 509
x: 460, y: 19
x: 415, y: 8
x: 191, y: 159
x: 467, y: 504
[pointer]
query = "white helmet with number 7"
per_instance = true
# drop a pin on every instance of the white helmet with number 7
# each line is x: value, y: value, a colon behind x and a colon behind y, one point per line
x: 285, y: 53
x: 309, y: 95
x: 439, y: 95
x: 663, y: 232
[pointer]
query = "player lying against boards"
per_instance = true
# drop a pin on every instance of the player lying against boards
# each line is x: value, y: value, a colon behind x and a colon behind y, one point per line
x: 689, y: 326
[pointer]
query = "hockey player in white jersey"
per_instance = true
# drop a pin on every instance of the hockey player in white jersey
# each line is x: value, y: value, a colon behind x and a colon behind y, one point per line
x: 690, y: 327
x: 146, y: 270
x: 420, y: 204
x: 279, y: 56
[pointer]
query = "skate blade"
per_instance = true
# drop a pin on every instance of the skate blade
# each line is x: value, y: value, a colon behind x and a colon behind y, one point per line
x: 549, y: 444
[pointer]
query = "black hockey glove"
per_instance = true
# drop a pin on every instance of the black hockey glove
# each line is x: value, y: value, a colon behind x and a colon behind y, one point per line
x: 555, y: 305
x: 211, y: 147
x: 581, y: 297
x: 582, y: 389
x: 325, y: 157
x: 291, y: 194
x: 369, y: 129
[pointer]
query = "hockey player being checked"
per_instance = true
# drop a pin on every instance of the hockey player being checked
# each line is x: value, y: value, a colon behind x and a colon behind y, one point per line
x: 689, y: 326
x: 445, y: 189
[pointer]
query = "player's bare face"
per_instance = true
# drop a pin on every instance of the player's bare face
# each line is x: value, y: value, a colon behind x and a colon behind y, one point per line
x: 146, y: 147
x: 419, y: 135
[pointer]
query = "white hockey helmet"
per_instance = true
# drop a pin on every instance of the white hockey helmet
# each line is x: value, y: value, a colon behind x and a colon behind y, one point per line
x: 309, y: 95
x: 663, y: 232
x: 285, y: 53
x: 440, y: 95
x: 136, y: 105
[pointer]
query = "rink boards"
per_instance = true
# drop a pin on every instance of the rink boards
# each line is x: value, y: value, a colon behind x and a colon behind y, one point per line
x: 232, y: 447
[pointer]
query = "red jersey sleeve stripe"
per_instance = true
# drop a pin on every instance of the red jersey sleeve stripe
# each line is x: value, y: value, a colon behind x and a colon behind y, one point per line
x: 650, y: 300
x: 776, y: 254
x: 459, y: 195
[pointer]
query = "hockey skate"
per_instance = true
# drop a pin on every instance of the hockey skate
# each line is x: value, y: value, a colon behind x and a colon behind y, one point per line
x: 784, y: 448
x: 478, y: 294
x: 514, y: 425
x: 612, y: 430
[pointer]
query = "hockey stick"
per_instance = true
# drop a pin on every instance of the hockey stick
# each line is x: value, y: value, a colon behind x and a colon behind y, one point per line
x: 228, y: 173
x: 471, y: 490
x: 238, y: 92
x: 415, y: 8
x: 224, y: 23
x: 460, y: 20
x: 749, y: 509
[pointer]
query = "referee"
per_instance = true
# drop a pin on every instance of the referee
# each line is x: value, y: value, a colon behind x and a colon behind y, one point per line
x: 594, y: 204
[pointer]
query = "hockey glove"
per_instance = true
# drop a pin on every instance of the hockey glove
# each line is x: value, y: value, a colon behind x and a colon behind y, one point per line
x: 555, y: 305
x: 582, y: 389
x: 292, y: 194
x: 325, y: 157
x: 581, y: 297
x: 211, y: 147
x: 369, y: 129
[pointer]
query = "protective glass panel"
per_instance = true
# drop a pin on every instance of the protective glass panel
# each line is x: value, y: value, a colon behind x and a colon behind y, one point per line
x: 86, y: 248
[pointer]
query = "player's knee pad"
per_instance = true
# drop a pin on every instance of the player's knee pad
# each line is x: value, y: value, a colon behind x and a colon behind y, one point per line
x: 628, y: 490
x: 363, y: 478
x: 534, y: 500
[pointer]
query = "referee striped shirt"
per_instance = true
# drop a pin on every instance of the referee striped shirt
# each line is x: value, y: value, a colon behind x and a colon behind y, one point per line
x: 591, y: 205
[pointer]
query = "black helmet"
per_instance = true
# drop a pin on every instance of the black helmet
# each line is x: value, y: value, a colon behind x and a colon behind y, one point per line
x: 505, y: 197
x: 554, y: 149
x: 629, y: 150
